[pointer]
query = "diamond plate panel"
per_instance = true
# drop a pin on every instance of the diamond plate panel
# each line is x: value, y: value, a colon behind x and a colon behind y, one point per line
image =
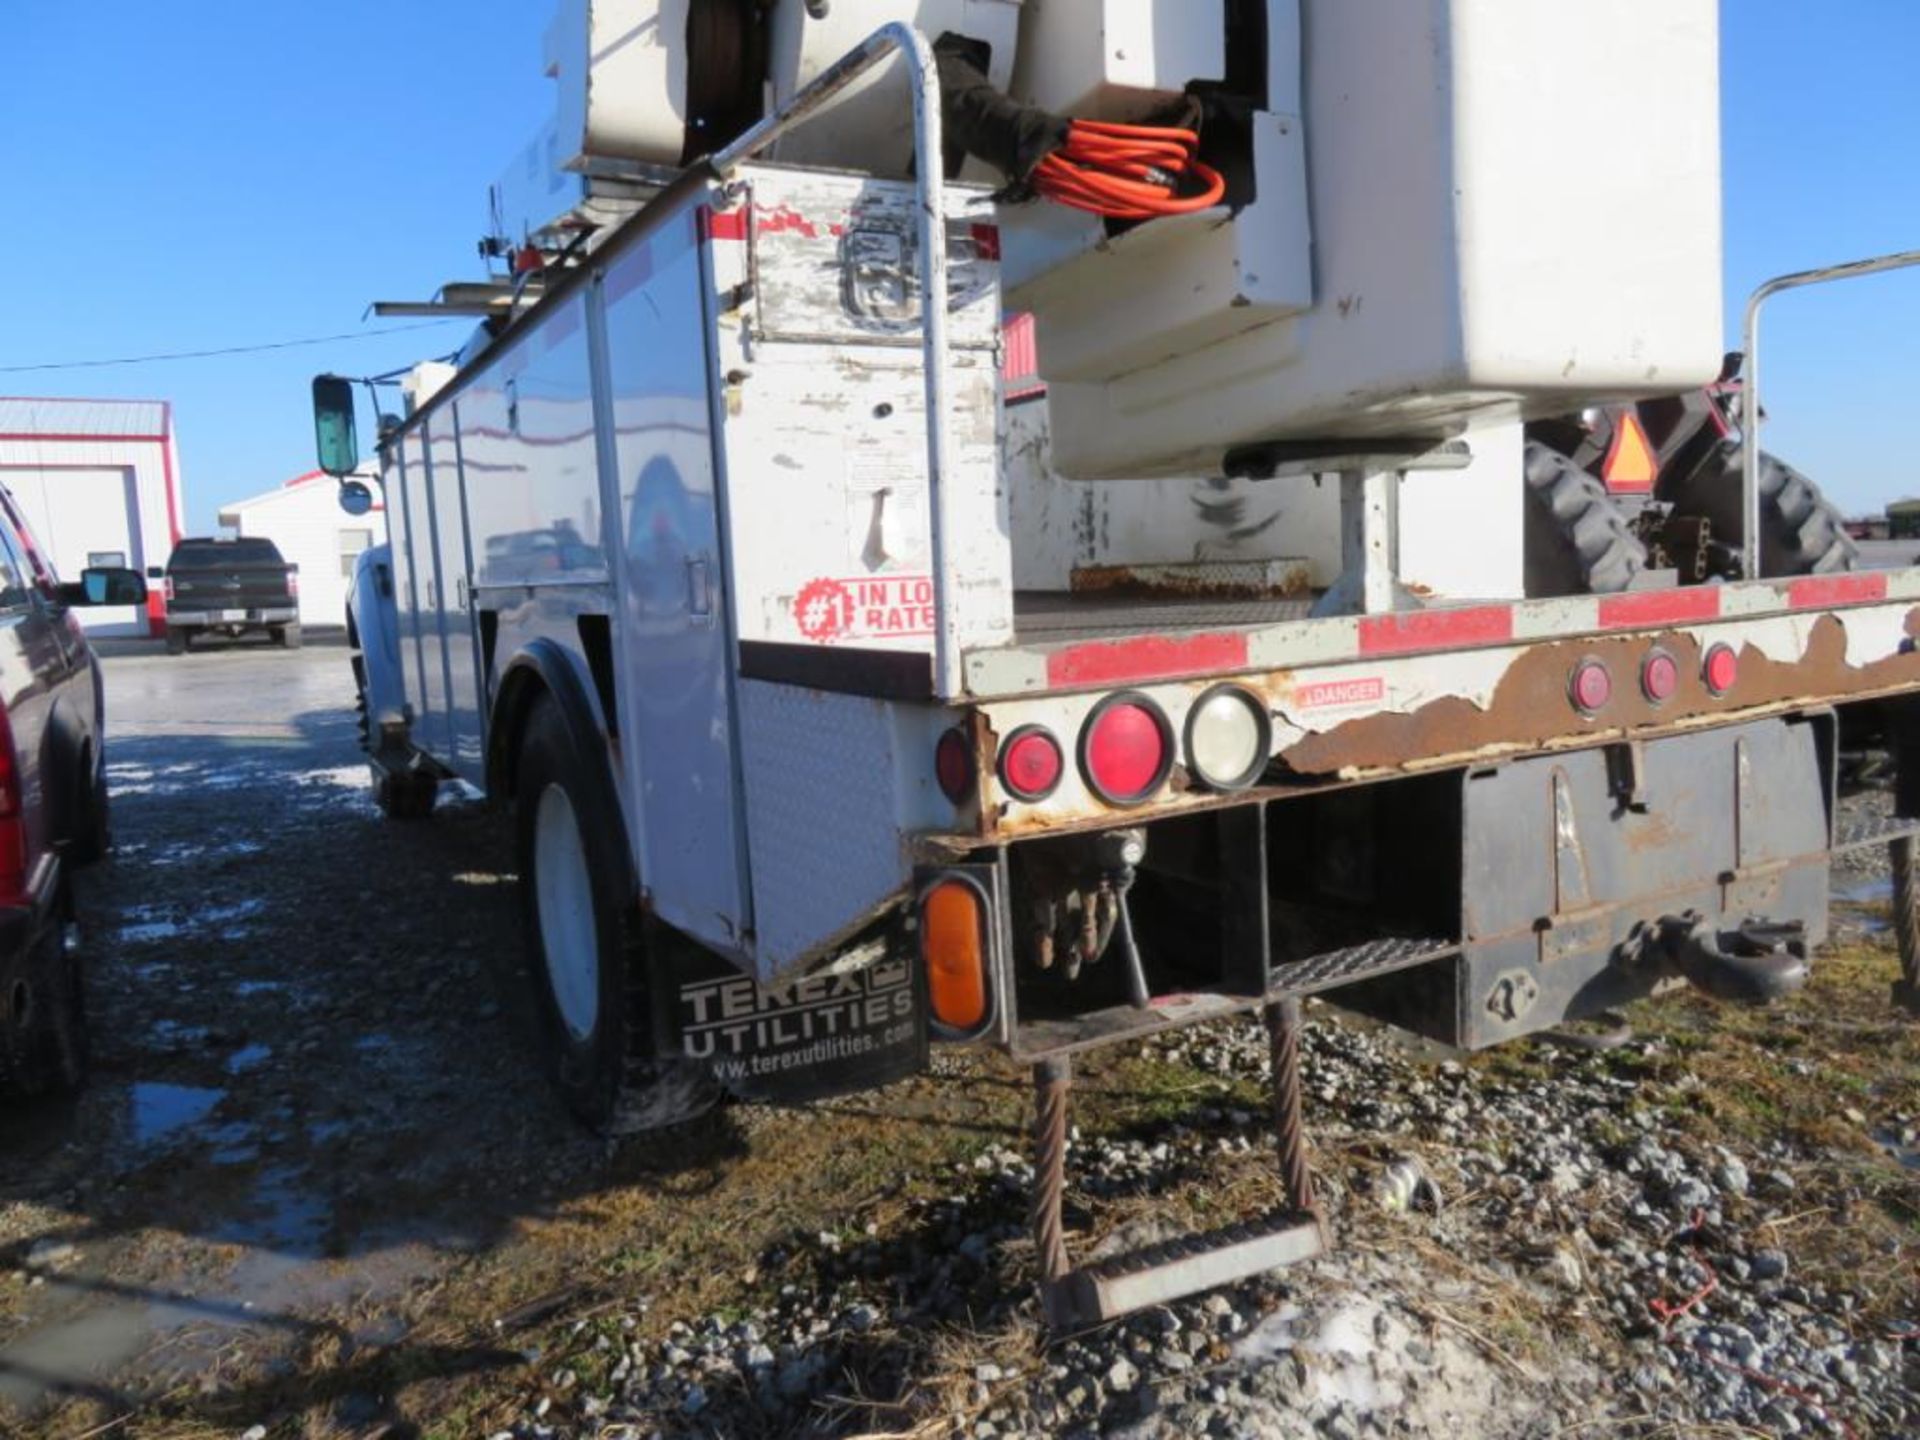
x: 827, y: 790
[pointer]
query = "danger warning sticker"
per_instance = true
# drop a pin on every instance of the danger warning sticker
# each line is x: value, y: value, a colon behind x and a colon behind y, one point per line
x: 1337, y: 694
x: 874, y: 607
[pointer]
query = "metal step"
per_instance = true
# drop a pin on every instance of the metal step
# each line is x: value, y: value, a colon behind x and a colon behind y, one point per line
x: 1097, y: 1293
x: 1856, y: 831
x: 1356, y: 962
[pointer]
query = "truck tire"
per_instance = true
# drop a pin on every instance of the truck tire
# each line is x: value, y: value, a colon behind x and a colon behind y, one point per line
x: 1577, y: 542
x: 1801, y: 531
x: 585, y: 942
x: 177, y: 643
x: 405, y: 795
x: 43, y: 1032
x: 287, y: 637
x: 92, y: 833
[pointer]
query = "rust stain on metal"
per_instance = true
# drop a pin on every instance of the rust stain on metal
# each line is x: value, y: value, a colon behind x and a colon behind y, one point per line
x: 1204, y: 581
x: 1531, y: 708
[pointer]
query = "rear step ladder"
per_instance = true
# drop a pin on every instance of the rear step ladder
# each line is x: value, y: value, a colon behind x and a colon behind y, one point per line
x: 1094, y: 1294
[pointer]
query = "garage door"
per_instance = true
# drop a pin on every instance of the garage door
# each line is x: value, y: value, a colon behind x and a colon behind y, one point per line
x: 87, y: 516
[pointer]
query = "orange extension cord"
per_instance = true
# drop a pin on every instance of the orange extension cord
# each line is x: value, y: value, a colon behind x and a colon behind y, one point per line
x: 1128, y: 172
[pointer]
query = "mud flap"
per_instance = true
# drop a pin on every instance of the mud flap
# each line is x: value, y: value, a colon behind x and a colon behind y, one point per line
x: 858, y: 1022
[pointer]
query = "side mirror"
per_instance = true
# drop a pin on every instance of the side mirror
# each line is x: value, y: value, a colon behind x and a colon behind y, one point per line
x: 156, y: 572
x: 104, y: 585
x: 356, y: 497
x: 334, y: 440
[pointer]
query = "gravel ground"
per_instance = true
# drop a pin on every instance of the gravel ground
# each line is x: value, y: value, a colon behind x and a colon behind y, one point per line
x: 314, y: 1189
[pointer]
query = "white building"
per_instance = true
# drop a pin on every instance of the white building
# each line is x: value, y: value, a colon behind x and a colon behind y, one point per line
x: 99, y: 481
x: 303, y: 517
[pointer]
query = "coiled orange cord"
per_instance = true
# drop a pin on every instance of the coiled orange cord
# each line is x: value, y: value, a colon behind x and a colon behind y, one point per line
x: 1128, y: 172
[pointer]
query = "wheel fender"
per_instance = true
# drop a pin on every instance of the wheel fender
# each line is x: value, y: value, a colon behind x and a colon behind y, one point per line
x: 545, y: 667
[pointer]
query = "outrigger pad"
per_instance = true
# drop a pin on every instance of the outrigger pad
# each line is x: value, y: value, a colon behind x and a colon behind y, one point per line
x: 1160, y: 1273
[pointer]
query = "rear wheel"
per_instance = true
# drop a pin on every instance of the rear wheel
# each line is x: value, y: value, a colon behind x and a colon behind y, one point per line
x: 405, y: 794
x: 585, y: 942
x: 176, y: 640
x: 1577, y: 541
x: 43, y: 1020
x: 287, y: 637
x: 1801, y: 531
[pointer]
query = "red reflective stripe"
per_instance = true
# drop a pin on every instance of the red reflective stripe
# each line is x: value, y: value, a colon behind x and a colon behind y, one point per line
x: 1818, y: 591
x: 1435, y: 629
x: 1152, y: 657
x: 1660, y: 607
x: 722, y: 224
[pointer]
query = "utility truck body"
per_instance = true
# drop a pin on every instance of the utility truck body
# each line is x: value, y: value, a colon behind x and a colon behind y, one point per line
x: 1140, y: 634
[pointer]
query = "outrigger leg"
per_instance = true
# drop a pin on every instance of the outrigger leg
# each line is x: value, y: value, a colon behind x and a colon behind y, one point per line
x: 1094, y: 1294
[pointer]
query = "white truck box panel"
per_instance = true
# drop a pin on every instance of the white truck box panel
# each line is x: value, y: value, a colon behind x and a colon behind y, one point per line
x: 1117, y: 59
x: 1493, y: 236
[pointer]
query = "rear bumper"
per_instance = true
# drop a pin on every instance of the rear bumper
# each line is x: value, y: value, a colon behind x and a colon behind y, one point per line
x: 1474, y: 905
x: 234, y: 618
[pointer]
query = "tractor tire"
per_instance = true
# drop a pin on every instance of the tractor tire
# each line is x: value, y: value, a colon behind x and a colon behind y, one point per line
x: 1801, y: 531
x: 587, y: 945
x: 1577, y: 542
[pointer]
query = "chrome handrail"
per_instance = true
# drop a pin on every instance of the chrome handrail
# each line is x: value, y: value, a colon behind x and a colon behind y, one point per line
x: 1750, y: 391
x: 930, y: 176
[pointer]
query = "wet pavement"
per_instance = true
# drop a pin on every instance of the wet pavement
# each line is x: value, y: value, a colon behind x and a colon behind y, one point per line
x: 307, y: 1101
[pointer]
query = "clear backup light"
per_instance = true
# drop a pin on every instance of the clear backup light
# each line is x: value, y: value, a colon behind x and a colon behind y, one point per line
x: 1126, y: 749
x: 1229, y: 738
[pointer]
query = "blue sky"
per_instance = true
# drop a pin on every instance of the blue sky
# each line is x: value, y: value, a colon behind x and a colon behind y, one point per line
x: 191, y: 176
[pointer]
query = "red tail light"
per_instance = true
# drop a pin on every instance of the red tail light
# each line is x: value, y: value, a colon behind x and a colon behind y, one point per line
x: 1722, y: 669
x: 1591, y: 687
x: 166, y: 587
x: 1659, y: 677
x: 293, y: 583
x: 1031, y: 763
x: 953, y: 766
x: 1126, y: 749
x: 13, y: 820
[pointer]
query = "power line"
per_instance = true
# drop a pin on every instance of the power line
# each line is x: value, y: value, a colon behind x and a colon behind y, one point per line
x: 226, y: 350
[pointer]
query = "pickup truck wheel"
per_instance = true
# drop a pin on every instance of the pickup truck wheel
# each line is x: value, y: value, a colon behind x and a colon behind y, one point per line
x: 287, y: 637
x: 45, y: 1021
x: 176, y: 640
x: 92, y: 835
x: 585, y: 944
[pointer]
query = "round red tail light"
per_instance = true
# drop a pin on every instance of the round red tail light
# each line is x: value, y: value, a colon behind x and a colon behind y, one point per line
x: 1591, y: 687
x: 1031, y: 763
x: 953, y: 766
x: 1659, y: 677
x: 1126, y: 749
x: 1722, y: 668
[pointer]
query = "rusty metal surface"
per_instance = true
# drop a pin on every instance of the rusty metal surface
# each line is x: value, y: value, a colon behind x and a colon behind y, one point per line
x: 1530, y: 709
x: 1289, y: 1114
x: 1050, y: 617
x: 1197, y: 580
x: 1052, y: 1083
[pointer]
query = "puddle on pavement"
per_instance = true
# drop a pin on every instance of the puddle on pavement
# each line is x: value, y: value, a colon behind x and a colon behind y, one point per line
x: 1878, y: 891
x: 159, y: 1110
x: 283, y: 1228
x: 248, y: 1057
x: 1901, y: 1146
